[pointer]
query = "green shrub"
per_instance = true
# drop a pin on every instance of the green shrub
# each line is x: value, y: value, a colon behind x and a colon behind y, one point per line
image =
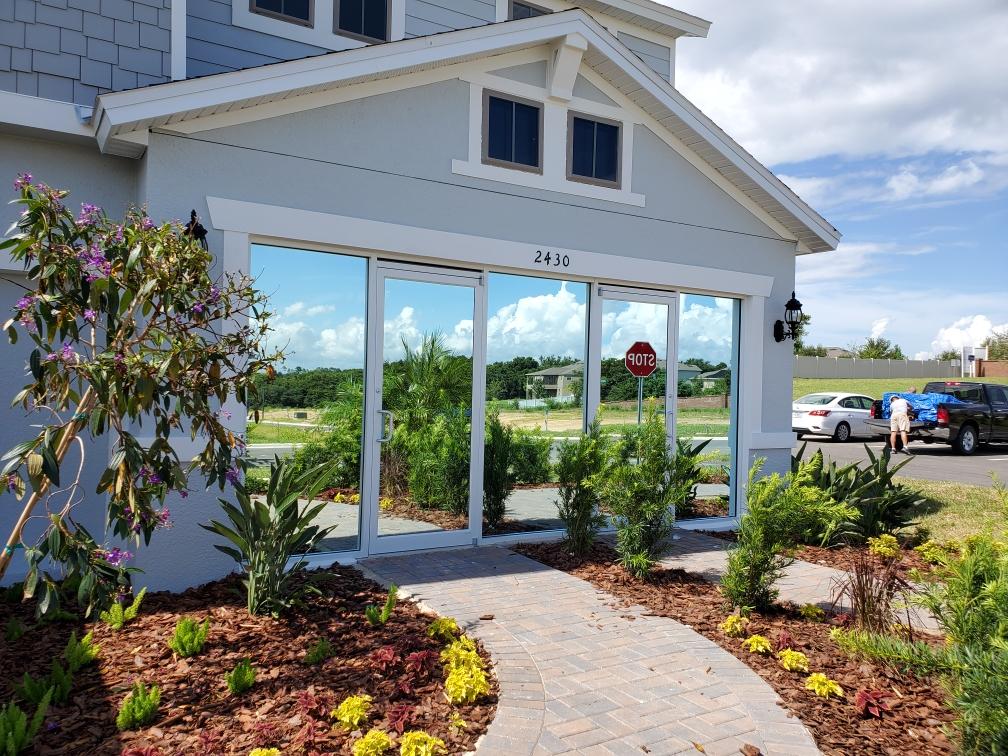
x: 336, y: 446
x: 54, y: 687
x: 578, y: 506
x: 189, y: 637
x: 439, y: 463
x: 256, y: 481
x: 241, y: 678
x: 642, y: 493
x: 498, y: 480
x: 139, y: 708
x: 530, y: 461
x: 80, y: 653
x: 980, y: 695
x: 16, y: 731
x: 755, y: 563
x: 14, y: 629
x: 319, y: 652
x: 377, y: 617
x: 117, y: 615
x: 264, y: 534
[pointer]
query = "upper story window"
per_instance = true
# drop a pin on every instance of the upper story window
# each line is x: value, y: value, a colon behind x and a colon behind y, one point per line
x: 364, y: 19
x: 512, y: 132
x: 593, y: 150
x: 525, y: 10
x: 295, y: 11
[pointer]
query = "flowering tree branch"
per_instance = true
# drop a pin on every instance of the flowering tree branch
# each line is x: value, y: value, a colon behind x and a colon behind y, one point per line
x: 130, y: 331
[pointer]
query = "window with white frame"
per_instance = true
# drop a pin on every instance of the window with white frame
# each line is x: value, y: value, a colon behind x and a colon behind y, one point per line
x: 294, y: 11
x: 512, y: 132
x: 363, y: 19
x: 593, y: 150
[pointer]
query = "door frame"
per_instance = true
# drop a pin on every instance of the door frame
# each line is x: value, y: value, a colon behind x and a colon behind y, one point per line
x: 379, y: 271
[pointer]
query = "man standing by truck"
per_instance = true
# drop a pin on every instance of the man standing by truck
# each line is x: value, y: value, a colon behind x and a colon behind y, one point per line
x: 899, y: 422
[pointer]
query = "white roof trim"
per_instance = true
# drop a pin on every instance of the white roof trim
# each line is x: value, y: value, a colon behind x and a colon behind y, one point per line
x: 125, y: 113
x: 669, y: 21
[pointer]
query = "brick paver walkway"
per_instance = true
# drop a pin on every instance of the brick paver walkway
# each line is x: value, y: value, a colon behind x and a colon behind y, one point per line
x: 578, y: 675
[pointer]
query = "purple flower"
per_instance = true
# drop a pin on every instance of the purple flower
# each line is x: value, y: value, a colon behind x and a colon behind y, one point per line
x: 51, y: 726
x: 184, y: 494
x: 232, y: 476
x: 68, y: 354
x: 25, y: 302
x: 116, y: 557
x: 90, y: 315
x: 214, y: 295
x: 146, y: 223
x: 197, y: 308
x: 89, y: 214
x: 119, y: 358
x: 29, y: 323
x: 23, y: 180
x: 118, y: 237
x: 163, y: 518
x: 52, y: 357
x: 12, y: 481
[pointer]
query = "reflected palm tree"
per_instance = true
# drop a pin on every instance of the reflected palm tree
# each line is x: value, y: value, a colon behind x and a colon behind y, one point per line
x: 428, y: 381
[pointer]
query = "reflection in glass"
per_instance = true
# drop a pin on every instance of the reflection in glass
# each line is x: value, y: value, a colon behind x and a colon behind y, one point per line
x: 536, y: 340
x: 313, y: 410
x: 623, y: 325
x: 708, y: 372
x: 427, y: 387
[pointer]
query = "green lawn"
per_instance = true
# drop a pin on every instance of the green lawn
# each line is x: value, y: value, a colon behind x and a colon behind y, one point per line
x: 873, y: 387
x: 957, y: 510
x: 268, y: 433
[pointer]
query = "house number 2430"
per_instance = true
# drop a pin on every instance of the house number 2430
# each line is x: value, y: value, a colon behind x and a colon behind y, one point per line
x: 551, y: 259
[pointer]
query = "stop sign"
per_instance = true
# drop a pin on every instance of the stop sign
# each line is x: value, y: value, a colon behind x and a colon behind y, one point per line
x: 641, y: 359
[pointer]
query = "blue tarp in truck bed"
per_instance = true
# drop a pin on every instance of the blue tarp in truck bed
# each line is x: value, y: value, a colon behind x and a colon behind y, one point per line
x: 924, y: 406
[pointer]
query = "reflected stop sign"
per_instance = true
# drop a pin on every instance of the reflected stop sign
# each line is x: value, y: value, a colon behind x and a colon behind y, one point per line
x: 641, y: 359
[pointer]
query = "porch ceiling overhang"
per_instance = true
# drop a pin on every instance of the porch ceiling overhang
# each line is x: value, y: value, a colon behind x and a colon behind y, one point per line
x: 123, y: 120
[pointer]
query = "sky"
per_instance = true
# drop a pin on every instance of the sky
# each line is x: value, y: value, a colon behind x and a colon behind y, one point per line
x: 891, y: 120
x: 319, y: 314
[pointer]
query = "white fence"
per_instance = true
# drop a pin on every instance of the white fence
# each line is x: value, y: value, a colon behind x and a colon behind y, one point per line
x: 851, y: 367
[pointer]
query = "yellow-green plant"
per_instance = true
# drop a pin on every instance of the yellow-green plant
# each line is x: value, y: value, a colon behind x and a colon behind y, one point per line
x: 885, y: 546
x: 793, y: 661
x: 16, y: 731
x: 375, y: 743
x: 466, y: 684
x: 80, y: 653
x: 935, y: 552
x: 57, y: 684
x: 457, y: 722
x: 812, y: 612
x: 461, y: 653
x: 444, y: 629
x: 241, y: 678
x: 353, y: 711
x: 189, y: 637
x: 419, y: 743
x: 821, y: 685
x: 734, y: 626
x: 116, y: 616
x: 265, y: 752
x: 319, y: 652
x: 139, y: 708
x: 757, y: 644
x: 379, y: 616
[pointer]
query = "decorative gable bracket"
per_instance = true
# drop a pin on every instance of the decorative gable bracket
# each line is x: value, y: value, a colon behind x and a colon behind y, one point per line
x: 566, y: 63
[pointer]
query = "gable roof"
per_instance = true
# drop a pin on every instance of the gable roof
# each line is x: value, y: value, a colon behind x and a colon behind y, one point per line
x: 123, y: 120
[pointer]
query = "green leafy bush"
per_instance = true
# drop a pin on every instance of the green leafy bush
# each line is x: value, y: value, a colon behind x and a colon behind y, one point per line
x: 755, y: 563
x: 578, y: 506
x: 439, y: 463
x: 189, y: 637
x: 241, y: 678
x: 979, y: 692
x: 377, y: 617
x: 54, y: 687
x: 117, y: 615
x: 265, y: 534
x: 498, y: 480
x: 319, y: 652
x: 80, y: 653
x: 16, y: 731
x: 642, y: 493
x: 139, y: 708
x: 336, y: 446
x: 14, y: 629
x: 256, y: 481
x: 530, y: 460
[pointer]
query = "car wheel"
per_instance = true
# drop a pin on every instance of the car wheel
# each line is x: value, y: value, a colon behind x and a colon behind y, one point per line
x: 842, y: 433
x: 966, y: 441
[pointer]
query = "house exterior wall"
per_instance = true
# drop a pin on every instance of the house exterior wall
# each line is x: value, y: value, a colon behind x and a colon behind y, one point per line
x: 657, y: 57
x: 72, y: 50
x: 433, y: 16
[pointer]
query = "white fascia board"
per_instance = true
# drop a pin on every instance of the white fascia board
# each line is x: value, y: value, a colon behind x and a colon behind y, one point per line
x: 689, y: 25
x: 25, y: 114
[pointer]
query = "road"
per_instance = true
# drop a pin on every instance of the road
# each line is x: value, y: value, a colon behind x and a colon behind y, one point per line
x: 930, y: 461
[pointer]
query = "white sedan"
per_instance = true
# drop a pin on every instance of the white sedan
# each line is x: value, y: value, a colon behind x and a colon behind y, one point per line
x: 830, y: 413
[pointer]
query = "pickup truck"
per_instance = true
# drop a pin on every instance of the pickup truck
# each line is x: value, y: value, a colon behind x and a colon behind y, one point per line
x: 980, y: 416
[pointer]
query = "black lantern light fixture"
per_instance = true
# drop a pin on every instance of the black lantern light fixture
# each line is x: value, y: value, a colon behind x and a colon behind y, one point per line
x: 788, y: 328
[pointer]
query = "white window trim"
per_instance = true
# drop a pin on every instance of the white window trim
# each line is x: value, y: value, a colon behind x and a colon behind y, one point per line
x: 554, y: 144
x: 322, y: 33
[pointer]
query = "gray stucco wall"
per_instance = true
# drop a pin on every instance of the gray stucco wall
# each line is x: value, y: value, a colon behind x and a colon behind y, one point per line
x: 72, y: 50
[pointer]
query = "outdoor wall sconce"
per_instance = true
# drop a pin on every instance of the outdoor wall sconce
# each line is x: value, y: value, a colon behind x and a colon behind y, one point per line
x: 792, y: 317
x: 195, y: 230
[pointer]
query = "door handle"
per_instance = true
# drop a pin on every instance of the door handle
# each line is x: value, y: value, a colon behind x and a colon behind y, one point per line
x: 391, y: 426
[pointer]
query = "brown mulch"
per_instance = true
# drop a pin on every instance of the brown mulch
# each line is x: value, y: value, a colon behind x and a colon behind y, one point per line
x: 289, y: 705
x: 918, y: 716
x: 703, y: 508
x: 404, y: 507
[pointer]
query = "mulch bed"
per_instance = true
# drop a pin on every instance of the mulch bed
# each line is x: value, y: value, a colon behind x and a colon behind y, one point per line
x: 289, y: 705
x: 918, y: 716
x: 703, y: 508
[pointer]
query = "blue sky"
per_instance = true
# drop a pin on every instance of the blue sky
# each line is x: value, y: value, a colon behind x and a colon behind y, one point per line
x: 891, y: 119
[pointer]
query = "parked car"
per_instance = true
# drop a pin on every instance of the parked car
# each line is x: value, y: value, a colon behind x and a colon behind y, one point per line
x: 840, y: 415
x: 980, y: 416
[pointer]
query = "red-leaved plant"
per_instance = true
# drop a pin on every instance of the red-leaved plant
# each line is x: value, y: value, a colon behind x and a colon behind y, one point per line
x: 422, y: 663
x: 871, y: 703
x: 399, y: 716
x: 783, y: 640
x: 384, y: 658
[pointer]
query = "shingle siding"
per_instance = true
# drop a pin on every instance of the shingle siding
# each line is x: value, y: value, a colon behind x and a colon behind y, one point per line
x: 657, y: 57
x: 72, y: 50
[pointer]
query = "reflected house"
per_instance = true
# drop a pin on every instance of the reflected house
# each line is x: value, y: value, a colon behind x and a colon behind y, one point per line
x: 519, y: 183
x: 710, y: 379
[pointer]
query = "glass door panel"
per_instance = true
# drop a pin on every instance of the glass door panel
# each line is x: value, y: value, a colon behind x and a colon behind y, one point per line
x: 425, y: 430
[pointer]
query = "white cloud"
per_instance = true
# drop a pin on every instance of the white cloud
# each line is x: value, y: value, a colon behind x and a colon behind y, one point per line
x: 634, y: 321
x: 295, y: 308
x: 706, y: 331
x: 968, y: 331
x: 878, y: 327
x: 316, y: 310
x: 547, y: 324
x: 344, y: 344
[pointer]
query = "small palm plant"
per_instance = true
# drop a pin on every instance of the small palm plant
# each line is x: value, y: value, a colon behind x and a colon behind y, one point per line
x: 266, y: 533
